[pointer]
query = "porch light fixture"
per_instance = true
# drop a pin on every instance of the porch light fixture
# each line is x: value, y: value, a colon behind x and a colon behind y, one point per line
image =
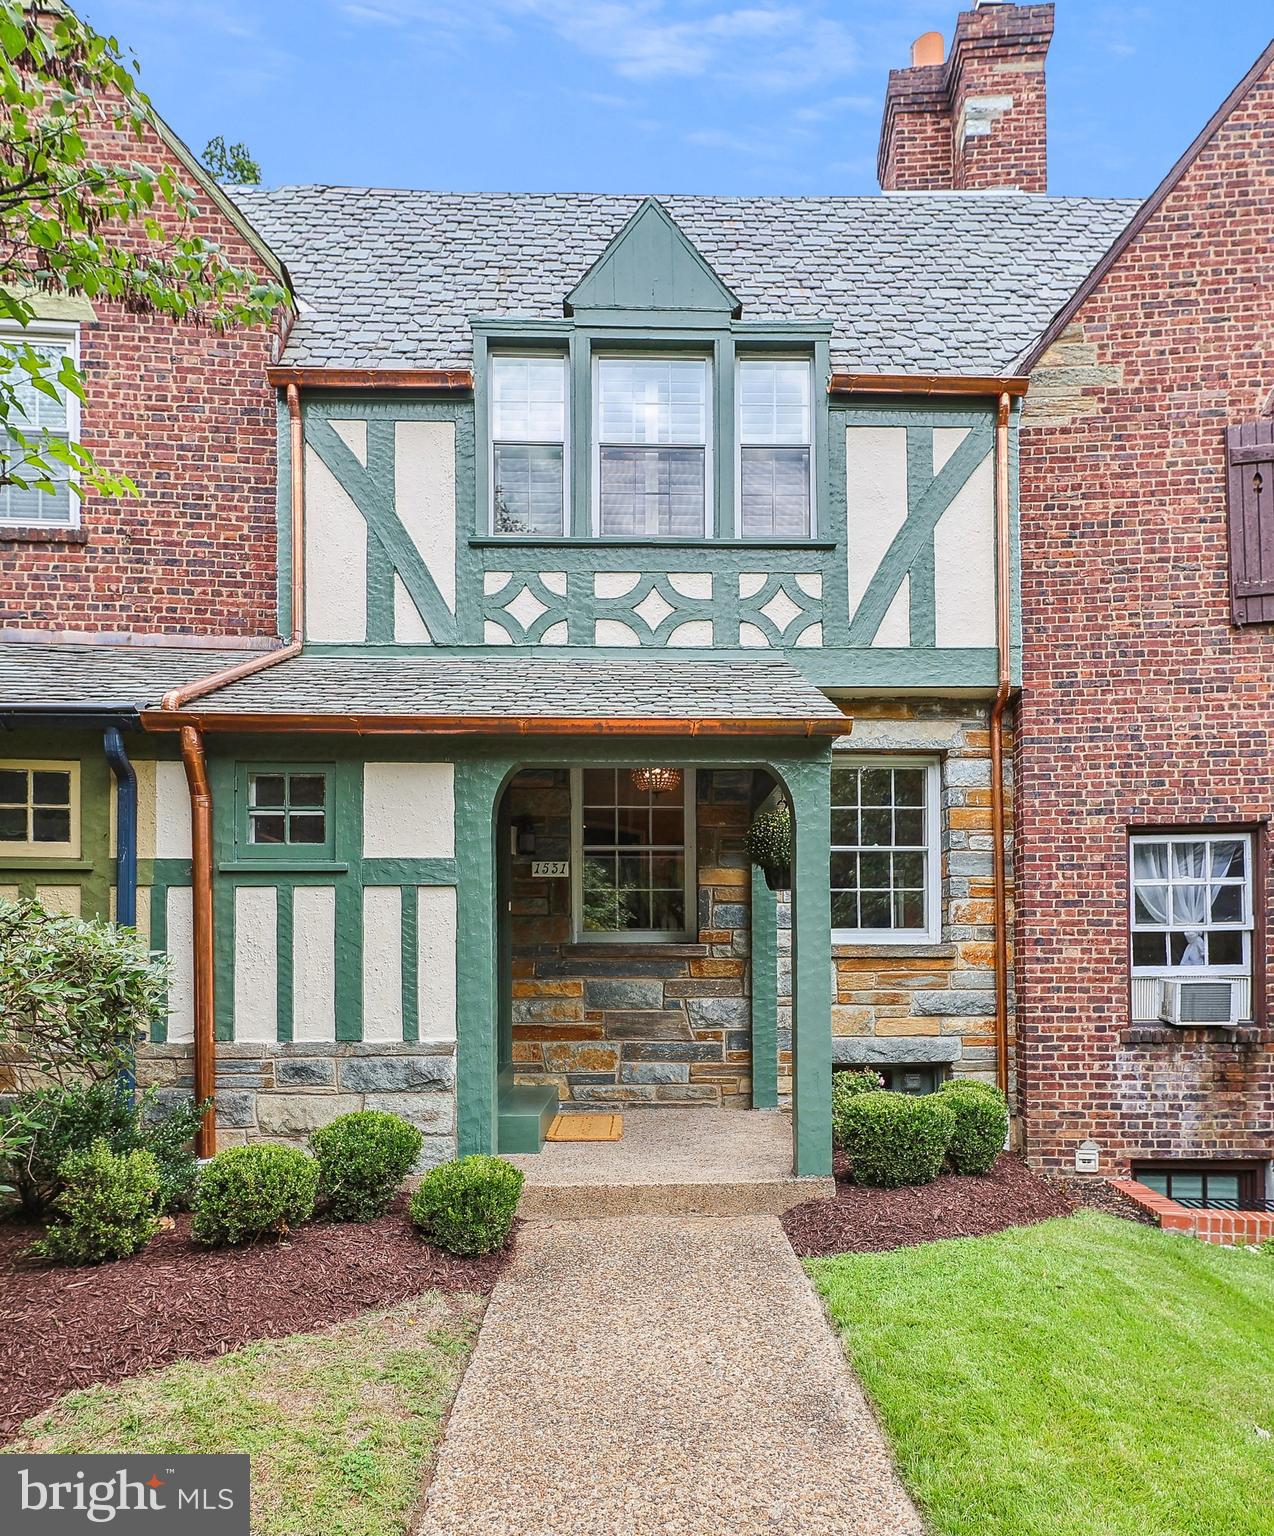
x: 659, y: 781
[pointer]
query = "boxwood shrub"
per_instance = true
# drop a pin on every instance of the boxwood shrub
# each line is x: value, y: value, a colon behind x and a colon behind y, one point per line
x: 981, y: 1124
x: 846, y: 1086
x: 105, y: 1209
x: 895, y: 1138
x: 467, y: 1206
x: 261, y: 1190
x: 362, y: 1159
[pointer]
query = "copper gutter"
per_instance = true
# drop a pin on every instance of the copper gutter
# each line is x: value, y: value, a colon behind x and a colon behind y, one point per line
x: 925, y: 384
x: 192, y: 756
x: 1004, y: 646
x: 493, y: 725
x: 447, y: 380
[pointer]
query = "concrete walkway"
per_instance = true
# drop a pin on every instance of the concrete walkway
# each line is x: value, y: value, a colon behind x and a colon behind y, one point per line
x: 660, y: 1376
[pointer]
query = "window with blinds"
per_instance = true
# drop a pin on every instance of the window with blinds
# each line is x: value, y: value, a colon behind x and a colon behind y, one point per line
x: 528, y: 445
x: 774, y: 447
x: 652, y: 458
x: 37, y: 493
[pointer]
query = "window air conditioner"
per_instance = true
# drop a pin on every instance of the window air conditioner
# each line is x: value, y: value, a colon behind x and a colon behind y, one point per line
x: 1211, y: 1001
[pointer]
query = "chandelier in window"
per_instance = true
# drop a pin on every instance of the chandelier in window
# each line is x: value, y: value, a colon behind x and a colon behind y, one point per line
x: 659, y: 781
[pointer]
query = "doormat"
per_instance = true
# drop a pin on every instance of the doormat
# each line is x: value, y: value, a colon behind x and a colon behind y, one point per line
x: 586, y: 1128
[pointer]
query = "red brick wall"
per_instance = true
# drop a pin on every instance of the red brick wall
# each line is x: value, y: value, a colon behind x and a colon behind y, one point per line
x: 188, y: 414
x: 1142, y: 705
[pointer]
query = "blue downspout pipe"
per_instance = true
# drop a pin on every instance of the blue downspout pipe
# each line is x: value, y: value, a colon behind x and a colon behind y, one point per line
x: 125, y: 853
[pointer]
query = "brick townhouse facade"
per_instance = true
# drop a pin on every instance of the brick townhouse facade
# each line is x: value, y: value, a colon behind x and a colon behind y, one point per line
x: 474, y: 839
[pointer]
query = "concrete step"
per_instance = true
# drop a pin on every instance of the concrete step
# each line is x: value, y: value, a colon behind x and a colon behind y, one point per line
x: 587, y: 1201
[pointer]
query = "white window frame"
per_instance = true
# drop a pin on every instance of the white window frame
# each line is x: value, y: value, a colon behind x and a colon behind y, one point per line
x: 519, y: 354
x: 761, y: 538
x: 709, y: 419
x: 932, y: 931
x: 65, y: 334
x: 684, y: 935
x: 1246, y: 925
x: 31, y: 849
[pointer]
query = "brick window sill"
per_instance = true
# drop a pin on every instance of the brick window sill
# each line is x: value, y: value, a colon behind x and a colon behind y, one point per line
x: 22, y: 533
x: 1210, y: 1034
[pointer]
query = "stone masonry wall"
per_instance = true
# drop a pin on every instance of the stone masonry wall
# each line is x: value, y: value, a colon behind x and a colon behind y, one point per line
x: 283, y: 1092
x: 662, y: 1024
x: 1143, y: 706
x: 926, y: 1004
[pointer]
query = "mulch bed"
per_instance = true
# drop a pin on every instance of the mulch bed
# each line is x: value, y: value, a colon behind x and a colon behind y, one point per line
x: 66, y: 1328
x: 863, y: 1220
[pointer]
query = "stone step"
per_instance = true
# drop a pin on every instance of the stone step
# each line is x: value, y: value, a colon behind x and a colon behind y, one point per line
x: 586, y: 1201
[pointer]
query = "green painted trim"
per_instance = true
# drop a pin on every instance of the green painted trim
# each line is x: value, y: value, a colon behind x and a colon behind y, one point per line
x: 381, y: 449
x: 39, y: 866
x: 725, y: 440
x: 514, y: 542
x: 371, y: 489
x: 580, y: 379
x: 349, y: 904
x: 765, y: 994
x: 809, y: 786
x: 158, y: 945
x: 410, y: 963
x: 922, y: 595
x: 903, y: 670
x: 407, y: 871
x: 478, y: 785
x: 916, y: 533
x: 222, y: 774
x: 651, y: 267
x: 284, y: 962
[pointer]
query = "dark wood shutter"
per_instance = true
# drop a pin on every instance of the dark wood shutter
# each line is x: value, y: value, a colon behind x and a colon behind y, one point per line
x: 1250, y: 451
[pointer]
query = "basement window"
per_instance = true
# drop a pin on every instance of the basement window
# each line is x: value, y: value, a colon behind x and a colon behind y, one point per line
x: 1221, y: 1186
x: 284, y: 809
x: 39, y: 809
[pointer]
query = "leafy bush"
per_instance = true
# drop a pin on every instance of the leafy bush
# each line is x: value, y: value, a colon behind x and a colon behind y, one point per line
x: 894, y: 1138
x: 45, y: 1125
x: 981, y: 1124
x: 846, y: 1086
x: 256, y: 1191
x: 105, y: 1209
x: 362, y: 1159
x: 468, y: 1206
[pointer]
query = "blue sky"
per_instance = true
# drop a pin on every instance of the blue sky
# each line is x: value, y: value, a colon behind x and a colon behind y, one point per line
x: 724, y: 96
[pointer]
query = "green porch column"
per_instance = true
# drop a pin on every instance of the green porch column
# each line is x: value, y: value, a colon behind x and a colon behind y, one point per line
x: 765, y: 994
x: 810, y: 786
x: 477, y: 786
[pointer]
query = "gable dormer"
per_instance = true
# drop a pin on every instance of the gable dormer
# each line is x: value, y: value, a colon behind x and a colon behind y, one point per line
x: 652, y: 272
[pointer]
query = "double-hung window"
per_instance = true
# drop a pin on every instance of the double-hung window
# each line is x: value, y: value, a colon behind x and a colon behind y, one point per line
x: 1192, y: 913
x: 652, y: 460
x: 528, y: 444
x: 886, y: 858
x: 773, y: 412
x: 39, y: 809
x: 634, y: 853
x: 40, y: 419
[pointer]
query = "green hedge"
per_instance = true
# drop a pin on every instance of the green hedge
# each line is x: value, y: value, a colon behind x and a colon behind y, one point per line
x: 894, y: 1138
x: 362, y: 1159
x: 467, y: 1207
x: 105, y: 1208
x: 981, y: 1124
x: 262, y: 1190
x: 846, y: 1086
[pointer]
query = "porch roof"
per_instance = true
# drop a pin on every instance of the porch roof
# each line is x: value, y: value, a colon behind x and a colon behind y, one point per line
x: 519, y: 695
x: 47, y: 678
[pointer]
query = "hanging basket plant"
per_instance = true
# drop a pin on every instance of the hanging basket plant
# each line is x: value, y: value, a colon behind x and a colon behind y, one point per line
x: 769, y: 845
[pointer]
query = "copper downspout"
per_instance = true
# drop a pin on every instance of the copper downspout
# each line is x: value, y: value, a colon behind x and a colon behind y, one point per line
x: 201, y: 883
x: 192, y: 755
x: 1004, y: 646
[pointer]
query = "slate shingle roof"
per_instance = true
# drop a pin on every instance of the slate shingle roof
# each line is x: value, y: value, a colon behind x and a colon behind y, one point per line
x: 526, y: 687
x: 105, y: 676
x: 925, y: 283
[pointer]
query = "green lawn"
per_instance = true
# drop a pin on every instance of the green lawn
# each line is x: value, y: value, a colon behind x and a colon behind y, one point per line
x: 341, y: 1425
x: 1084, y: 1377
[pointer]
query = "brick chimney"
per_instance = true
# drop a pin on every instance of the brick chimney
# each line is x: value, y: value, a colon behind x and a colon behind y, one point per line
x: 975, y: 120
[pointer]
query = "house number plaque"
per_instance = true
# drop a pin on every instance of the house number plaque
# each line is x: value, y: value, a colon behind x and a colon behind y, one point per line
x: 550, y: 869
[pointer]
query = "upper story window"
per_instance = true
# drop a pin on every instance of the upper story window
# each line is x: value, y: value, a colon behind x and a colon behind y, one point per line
x: 528, y: 444
x: 773, y: 397
x: 652, y: 459
x: 39, y: 415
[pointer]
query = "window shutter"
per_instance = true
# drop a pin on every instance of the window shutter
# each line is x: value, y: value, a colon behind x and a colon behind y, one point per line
x: 1250, y: 452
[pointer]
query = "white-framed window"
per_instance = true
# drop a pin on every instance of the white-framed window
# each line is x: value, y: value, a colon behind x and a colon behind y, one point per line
x: 775, y: 447
x: 652, y: 454
x: 886, y: 862
x: 40, y: 416
x: 633, y: 856
x: 1191, y: 911
x: 40, y: 809
x: 529, y: 440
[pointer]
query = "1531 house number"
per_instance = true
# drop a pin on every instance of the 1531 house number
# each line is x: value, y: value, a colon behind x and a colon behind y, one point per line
x: 550, y: 869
